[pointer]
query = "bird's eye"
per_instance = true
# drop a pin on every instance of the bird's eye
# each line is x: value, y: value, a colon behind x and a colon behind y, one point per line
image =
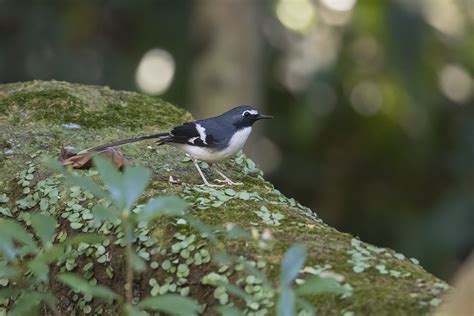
x: 246, y: 114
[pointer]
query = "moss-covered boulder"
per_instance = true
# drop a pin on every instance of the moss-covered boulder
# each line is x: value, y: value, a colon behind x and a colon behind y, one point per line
x: 38, y: 118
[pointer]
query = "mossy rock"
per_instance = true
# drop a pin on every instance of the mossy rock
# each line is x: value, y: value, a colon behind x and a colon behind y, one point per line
x: 38, y: 118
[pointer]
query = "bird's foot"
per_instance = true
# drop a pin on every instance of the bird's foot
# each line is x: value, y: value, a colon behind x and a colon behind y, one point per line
x: 228, y: 181
x: 211, y: 185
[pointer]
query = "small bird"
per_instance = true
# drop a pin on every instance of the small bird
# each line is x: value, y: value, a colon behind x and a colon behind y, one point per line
x: 211, y: 140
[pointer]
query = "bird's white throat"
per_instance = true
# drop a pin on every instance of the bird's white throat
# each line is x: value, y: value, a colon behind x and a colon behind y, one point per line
x: 236, y: 142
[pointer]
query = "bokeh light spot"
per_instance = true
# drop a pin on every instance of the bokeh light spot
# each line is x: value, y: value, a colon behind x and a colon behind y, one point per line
x: 339, y: 5
x: 316, y: 51
x: 455, y: 83
x: 337, y: 18
x: 444, y: 16
x: 155, y: 71
x: 366, y: 98
x: 296, y: 15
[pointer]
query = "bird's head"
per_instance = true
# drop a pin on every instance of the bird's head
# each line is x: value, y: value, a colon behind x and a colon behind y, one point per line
x: 245, y: 115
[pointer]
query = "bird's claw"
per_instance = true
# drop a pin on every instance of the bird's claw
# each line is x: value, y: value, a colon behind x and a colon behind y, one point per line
x: 211, y: 185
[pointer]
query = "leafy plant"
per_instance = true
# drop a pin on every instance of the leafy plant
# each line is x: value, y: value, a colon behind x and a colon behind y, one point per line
x: 26, y: 258
x: 21, y: 254
x: 123, y: 190
x: 291, y: 265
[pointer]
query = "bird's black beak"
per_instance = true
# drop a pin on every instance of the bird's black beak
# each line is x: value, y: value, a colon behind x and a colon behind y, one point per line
x: 263, y: 117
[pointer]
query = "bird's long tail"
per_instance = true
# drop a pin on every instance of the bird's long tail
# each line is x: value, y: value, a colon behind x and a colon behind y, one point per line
x: 121, y: 142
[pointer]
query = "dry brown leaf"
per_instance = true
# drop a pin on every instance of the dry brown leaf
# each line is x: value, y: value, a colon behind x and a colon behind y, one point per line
x: 84, y: 161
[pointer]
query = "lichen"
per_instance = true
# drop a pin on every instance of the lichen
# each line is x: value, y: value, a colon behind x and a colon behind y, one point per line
x: 32, y: 115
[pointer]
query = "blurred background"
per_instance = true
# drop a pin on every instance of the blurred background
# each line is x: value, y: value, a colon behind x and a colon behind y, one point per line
x: 373, y: 99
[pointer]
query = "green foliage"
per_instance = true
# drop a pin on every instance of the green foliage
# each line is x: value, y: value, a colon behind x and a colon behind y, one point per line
x: 292, y: 263
x: 125, y: 188
x: 165, y: 205
x: 83, y: 286
x: 319, y: 285
x: 171, y: 304
x: 20, y: 250
x: 291, y: 266
x: 44, y: 226
x: 117, y: 205
x: 27, y: 304
x: 12, y: 233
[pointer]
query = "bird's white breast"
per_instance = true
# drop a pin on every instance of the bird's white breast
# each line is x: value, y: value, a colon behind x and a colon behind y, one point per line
x: 236, y: 142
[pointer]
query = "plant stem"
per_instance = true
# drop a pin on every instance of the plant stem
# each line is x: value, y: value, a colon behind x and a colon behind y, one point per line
x: 128, y: 238
x: 129, y: 293
x: 54, y: 310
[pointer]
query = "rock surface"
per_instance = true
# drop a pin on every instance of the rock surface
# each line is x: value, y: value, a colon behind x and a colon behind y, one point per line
x: 38, y: 118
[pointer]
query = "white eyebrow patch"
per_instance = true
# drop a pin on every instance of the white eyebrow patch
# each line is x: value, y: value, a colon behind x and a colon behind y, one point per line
x: 202, y: 133
x: 253, y: 112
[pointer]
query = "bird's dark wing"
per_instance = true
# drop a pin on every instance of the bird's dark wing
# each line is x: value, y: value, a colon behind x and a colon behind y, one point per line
x: 189, y: 133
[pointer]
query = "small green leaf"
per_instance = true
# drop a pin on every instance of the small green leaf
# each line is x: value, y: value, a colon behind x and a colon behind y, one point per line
x: 7, y: 271
x: 163, y: 205
x: 11, y: 231
x: 4, y: 198
x: 113, y: 180
x: 291, y: 264
x: 133, y: 310
x: 102, y: 213
x: 44, y: 204
x: 319, y: 285
x: 27, y: 304
x: 307, y: 307
x: 238, y: 232
x: 244, y: 195
x: 40, y: 269
x: 229, y: 311
x: 8, y: 292
x: 286, y: 302
x: 50, y: 255
x: 44, y: 226
x: 85, y: 238
x: 237, y: 291
x: 203, y: 228
x: 435, y: 301
x: 79, y: 284
x: 135, y: 180
x: 83, y: 182
x: 76, y: 225
x: 172, y: 304
x: 138, y: 264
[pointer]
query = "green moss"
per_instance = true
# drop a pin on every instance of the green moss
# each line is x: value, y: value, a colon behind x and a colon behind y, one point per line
x: 31, y: 117
x: 60, y: 104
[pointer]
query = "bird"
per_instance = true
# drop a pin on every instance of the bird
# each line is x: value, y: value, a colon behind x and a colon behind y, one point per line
x: 211, y: 140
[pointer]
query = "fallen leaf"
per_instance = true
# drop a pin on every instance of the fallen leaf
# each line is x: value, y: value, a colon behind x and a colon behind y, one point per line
x: 172, y: 180
x: 84, y: 161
